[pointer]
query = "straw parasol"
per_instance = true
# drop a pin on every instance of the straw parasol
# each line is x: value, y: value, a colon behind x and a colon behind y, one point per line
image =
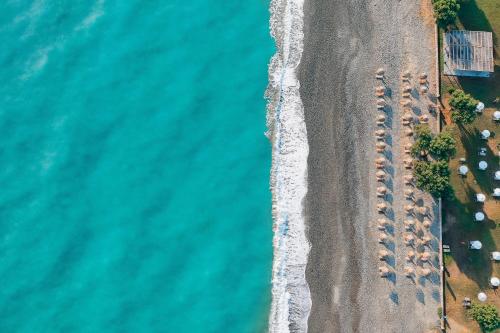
x: 380, y: 146
x: 426, y: 240
x: 383, y: 254
x: 406, y: 73
x: 382, y: 224
x: 423, y: 119
x: 423, y: 89
x: 381, y: 207
x: 480, y: 107
x: 408, y: 163
x: 410, y: 255
x: 381, y: 118
x: 425, y: 256
x: 409, y: 239
x: 424, y: 210
x: 423, y: 75
x: 380, y: 133
x: 381, y: 191
x: 496, y: 115
x: 409, y: 224
x: 408, y: 193
x: 495, y: 282
x: 425, y: 272
x: 380, y: 160
x: 380, y: 71
x: 495, y: 255
x: 380, y: 175
x: 463, y: 169
x: 409, y: 271
x: 406, y: 88
x: 406, y: 103
x: 409, y: 208
x: 475, y: 245
x: 427, y: 223
x: 479, y: 216
x: 408, y: 179
x: 382, y: 238
x: 407, y: 116
x: 496, y: 192
x: 482, y: 297
x: 384, y: 271
x: 497, y: 175
x: 381, y: 101
x: 480, y: 197
x: 422, y: 81
x: 408, y: 132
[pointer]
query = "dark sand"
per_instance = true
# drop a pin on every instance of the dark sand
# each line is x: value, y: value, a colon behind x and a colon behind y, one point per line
x: 345, y: 41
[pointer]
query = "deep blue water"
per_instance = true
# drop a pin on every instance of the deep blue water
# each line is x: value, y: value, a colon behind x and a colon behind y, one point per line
x: 133, y: 167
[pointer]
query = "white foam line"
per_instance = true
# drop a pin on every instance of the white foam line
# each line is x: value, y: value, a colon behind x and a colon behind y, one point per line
x: 291, y: 301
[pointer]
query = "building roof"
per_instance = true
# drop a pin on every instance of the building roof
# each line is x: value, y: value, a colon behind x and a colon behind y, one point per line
x: 468, y: 51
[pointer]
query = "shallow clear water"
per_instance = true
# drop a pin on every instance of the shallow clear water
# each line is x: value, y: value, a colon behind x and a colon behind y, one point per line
x: 133, y: 167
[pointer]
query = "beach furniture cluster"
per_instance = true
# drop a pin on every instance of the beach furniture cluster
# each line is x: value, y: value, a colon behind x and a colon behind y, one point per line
x: 416, y: 236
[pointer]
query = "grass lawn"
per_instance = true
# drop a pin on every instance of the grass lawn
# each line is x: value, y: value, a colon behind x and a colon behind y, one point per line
x: 469, y: 272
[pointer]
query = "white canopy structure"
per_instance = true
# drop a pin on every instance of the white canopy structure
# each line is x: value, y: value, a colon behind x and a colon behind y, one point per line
x: 496, y: 115
x: 496, y: 192
x: 480, y: 197
x: 479, y: 216
x: 497, y: 175
x: 463, y: 169
x: 485, y: 134
x: 480, y: 107
x: 482, y: 297
x: 495, y: 282
x: 483, y: 165
x: 475, y: 245
x: 495, y: 255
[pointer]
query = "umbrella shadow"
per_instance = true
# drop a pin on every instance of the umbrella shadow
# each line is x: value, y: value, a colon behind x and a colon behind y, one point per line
x: 420, y: 296
x: 393, y: 296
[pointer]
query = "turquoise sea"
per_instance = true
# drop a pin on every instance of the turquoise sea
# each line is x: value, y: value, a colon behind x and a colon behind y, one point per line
x: 134, y: 170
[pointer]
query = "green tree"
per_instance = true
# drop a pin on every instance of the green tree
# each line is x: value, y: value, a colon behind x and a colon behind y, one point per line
x: 433, y: 177
x: 423, y: 136
x: 464, y: 107
x: 445, y: 11
x: 486, y: 315
x: 442, y: 147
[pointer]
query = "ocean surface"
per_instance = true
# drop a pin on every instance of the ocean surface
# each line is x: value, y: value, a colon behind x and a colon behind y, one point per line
x: 134, y: 170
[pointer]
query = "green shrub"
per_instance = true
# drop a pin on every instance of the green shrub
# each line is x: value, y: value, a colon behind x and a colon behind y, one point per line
x: 440, y: 312
x: 445, y: 11
x: 464, y: 107
x: 442, y: 147
x: 486, y: 315
x: 423, y: 139
x: 433, y: 177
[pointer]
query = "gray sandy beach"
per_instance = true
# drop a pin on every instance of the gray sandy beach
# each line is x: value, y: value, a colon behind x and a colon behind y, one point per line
x: 345, y: 41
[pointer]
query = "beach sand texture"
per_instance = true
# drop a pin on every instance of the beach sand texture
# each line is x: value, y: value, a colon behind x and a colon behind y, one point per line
x: 345, y: 41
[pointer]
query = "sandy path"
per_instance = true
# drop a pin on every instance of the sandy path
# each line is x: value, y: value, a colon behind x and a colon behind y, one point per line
x: 345, y: 41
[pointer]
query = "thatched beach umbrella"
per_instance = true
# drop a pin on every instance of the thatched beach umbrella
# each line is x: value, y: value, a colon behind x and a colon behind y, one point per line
x: 423, y: 89
x: 424, y: 210
x: 409, y: 224
x: 408, y: 132
x: 381, y: 102
x: 427, y: 223
x: 382, y: 238
x: 380, y: 134
x: 381, y: 191
x: 425, y: 272
x: 424, y: 119
x: 406, y: 74
x: 380, y: 145
x: 380, y: 175
x: 409, y: 208
x: 383, y: 271
x: 380, y: 119
x: 407, y: 148
x: 409, y: 271
x: 423, y: 75
x: 380, y: 71
x: 408, y: 193
x: 409, y: 239
x: 426, y: 240
x: 410, y: 255
x: 382, y: 207
x: 425, y: 256
x: 408, y: 179
x: 407, y: 88
x: 383, y: 254
x: 422, y: 81
x: 408, y: 163
x: 406, y: 103
x: 382, y: 224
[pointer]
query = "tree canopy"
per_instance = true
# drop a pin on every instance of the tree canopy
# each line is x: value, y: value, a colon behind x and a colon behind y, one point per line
x: 423, y: 139
x: 445, y: 11
x: 486, y: 315
x: 433, y: 177
x: 442, y: 147
x: 464, y: 107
